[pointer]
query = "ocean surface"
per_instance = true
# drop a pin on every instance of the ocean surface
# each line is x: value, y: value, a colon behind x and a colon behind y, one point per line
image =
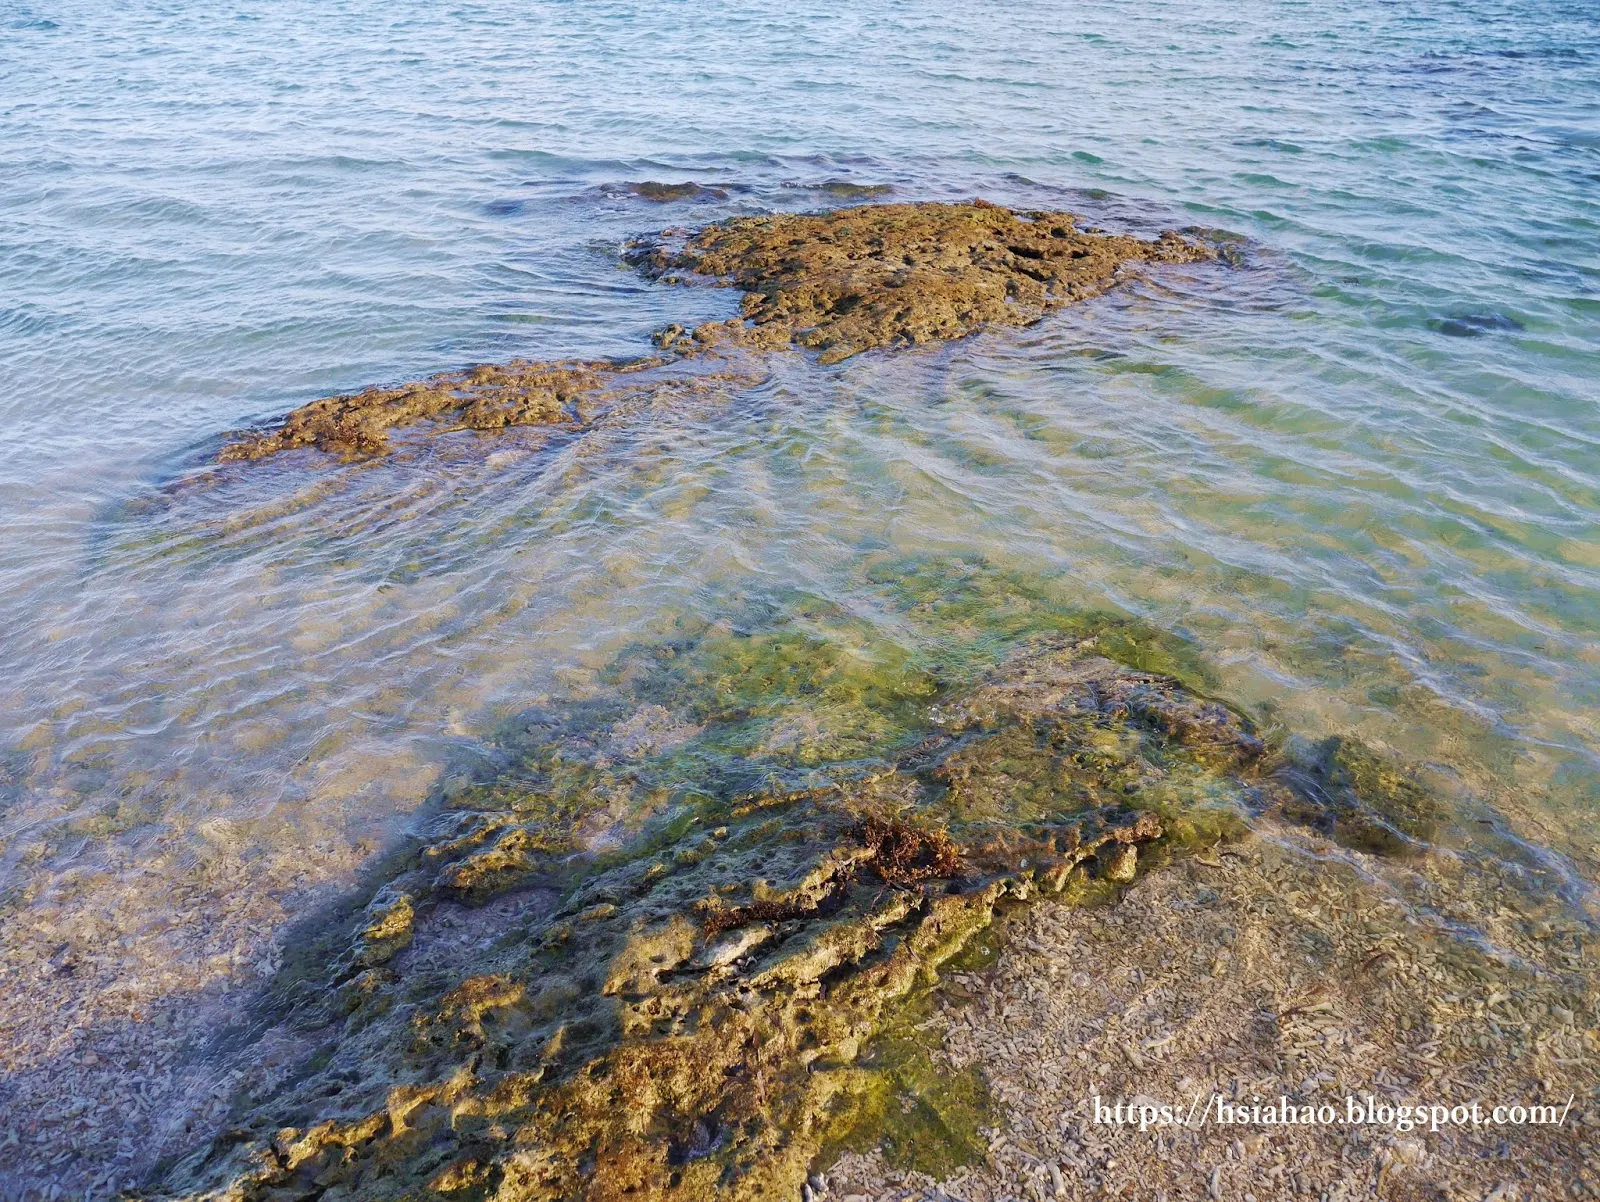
x: 1358, y: 467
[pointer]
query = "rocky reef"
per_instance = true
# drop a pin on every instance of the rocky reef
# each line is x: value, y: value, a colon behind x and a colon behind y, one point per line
x: 660, y: 193
x: 837, y: 283
x: 483, y: 398
x: 854, y: 279
x: 647, y: 954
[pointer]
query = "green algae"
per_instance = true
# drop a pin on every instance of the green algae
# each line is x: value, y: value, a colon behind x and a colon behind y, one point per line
x: 806, y: 682
x: 793, y: 695
x: 1364, y: 800
x: 920, y: 1113
x: 980, y: 611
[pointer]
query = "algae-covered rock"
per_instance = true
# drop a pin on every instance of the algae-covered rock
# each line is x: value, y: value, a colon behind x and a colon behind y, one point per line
x: 1362, y: 799
x: 697, y: 946
x: 685, y: 1023
x: 660, y: 193
x: 902, y: 274
x: 846, y: 189
x: 839, y: 283
x: 483, y: 398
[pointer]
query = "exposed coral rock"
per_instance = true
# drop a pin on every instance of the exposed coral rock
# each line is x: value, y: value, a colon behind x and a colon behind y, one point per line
x: 896, y: 275
x: 838, y: 283
x: 483, y: 398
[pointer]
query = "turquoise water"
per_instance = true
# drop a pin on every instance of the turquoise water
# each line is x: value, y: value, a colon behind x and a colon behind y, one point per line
x: 1360, y: 470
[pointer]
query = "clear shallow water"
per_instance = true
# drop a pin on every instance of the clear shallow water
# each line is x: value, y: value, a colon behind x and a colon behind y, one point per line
x: 1362, y: 471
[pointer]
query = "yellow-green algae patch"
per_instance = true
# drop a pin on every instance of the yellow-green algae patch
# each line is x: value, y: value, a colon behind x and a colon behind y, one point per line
x: 922, y: 1115
x: 838, y: 283
x: 978, y: 611
x: 705, y: 949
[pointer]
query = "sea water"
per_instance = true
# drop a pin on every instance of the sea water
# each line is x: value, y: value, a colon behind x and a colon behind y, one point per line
x: 1357, y: 467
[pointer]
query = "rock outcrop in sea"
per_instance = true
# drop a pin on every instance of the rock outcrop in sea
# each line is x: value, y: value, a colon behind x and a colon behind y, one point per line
x: 644, y: 956
x: 837, y: 283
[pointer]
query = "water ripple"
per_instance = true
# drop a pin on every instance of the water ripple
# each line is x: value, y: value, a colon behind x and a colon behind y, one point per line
x: 1359, y: 467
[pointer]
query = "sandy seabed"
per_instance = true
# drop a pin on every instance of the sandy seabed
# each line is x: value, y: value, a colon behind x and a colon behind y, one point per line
x: 1277, y: 966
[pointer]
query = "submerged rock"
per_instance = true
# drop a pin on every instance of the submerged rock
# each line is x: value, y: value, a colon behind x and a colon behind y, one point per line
x: 838, y: 283
x: 1358, y: 799
x: 846, y: 189
x: 685, y: 1023
x: 660, y: 193
x: 684, y: 1012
